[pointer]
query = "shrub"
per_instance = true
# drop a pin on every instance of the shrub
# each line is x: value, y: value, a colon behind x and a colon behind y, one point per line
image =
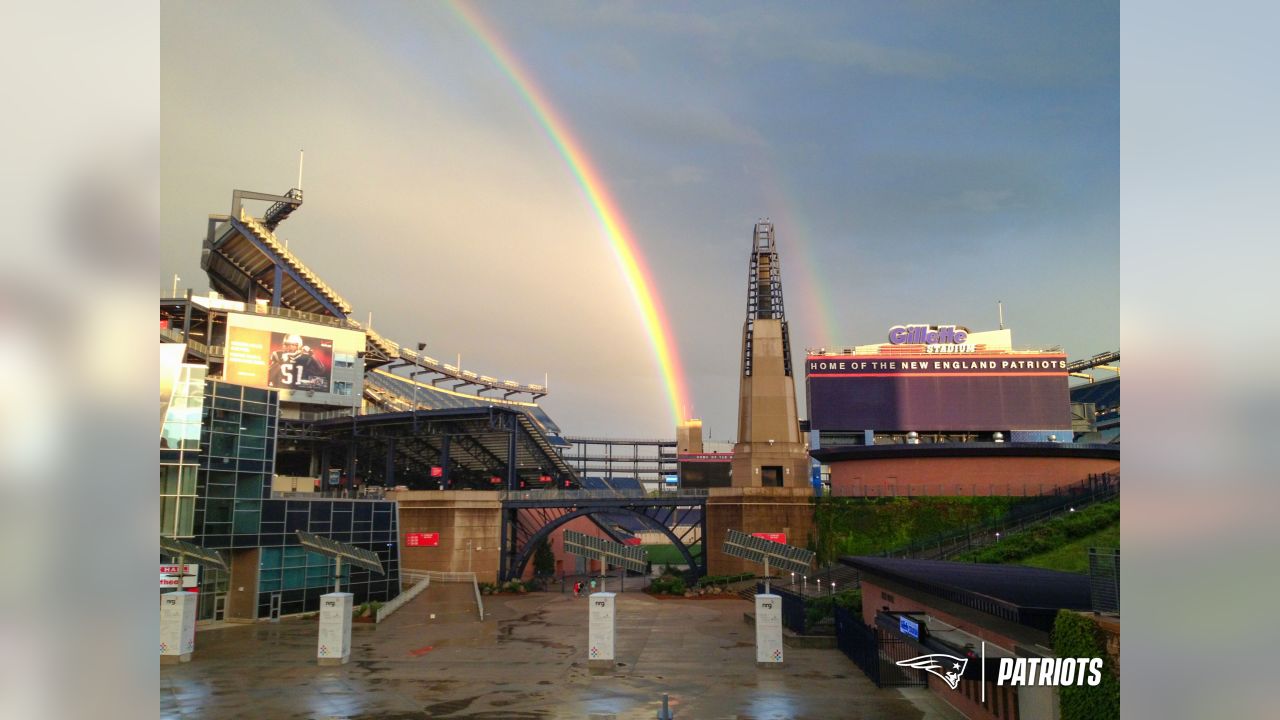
x: 667, y: 585
x: 1047, y: 536
x: 1076, y: 635
x: 818, y: 609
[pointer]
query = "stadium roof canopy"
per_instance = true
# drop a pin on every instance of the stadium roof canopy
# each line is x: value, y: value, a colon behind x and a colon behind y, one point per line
x: 478, y: 442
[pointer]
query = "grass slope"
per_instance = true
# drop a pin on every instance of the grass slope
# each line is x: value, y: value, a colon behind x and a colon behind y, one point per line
x: 1074, y: 556
x: 1059, y: 544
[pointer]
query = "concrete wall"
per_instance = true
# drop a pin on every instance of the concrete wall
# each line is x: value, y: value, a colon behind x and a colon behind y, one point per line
x: 463, y: 519
x: 751, y: 510
x: 963, y: 475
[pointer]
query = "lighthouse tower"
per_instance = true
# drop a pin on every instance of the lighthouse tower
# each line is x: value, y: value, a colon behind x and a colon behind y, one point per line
x: 770, y: 451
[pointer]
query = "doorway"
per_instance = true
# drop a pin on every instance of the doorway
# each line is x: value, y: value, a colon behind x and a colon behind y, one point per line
x: 274, y: 612
x: 219, y: 607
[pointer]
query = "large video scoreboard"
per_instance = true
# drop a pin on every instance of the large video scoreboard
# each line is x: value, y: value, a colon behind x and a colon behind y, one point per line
x: 930, y: 379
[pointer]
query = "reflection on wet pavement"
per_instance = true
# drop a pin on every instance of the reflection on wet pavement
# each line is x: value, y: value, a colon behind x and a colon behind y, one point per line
x: 525, y: 661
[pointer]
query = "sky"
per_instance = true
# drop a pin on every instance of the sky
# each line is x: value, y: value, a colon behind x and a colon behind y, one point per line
x: 920, y: 162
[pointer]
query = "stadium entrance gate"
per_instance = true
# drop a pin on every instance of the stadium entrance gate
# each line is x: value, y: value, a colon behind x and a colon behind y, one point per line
x: 529, y: 517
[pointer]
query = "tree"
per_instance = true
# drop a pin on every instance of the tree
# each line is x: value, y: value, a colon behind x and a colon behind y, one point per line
x: 544, y: 561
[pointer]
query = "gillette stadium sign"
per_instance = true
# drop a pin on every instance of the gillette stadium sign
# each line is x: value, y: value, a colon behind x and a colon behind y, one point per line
x: 940, y: 339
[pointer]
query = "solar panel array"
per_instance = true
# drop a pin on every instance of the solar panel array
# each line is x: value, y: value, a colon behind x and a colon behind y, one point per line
x: 366, y: 559
x: 754, y: 549
x: 175, y: 547
x: 628, y: 556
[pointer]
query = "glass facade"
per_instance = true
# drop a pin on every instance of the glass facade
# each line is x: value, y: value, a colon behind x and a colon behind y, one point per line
x: 234, y: 512
x: 180, y: 452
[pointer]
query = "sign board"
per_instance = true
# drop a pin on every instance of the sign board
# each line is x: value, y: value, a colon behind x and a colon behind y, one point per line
x: 437, y: 471
x: 908, y: 627
x: 169, y: 576
x: 670, y: 479
x: 431, y: 539
x: 773, y: 537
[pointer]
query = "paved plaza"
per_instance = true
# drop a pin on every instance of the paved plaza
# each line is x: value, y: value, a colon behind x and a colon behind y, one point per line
x: 526, y: 660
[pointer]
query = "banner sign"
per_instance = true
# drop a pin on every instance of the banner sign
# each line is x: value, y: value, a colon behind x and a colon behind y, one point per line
x: 775, y: 537
x: 431, y: 539
x: 169, y: 576
x: 1004, y: 365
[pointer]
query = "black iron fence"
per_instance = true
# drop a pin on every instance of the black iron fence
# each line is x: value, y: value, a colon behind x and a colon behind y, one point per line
x: 876, y: 652
x: 1059, y: 500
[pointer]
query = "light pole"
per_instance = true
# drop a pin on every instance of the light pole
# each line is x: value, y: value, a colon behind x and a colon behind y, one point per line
x: 833, y: 589
x: 804, y: 585
x: 793, y: 582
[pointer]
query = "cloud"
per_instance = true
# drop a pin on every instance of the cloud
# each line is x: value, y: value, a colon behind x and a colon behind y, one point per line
x: 687, y: 175
x: 979, y: 201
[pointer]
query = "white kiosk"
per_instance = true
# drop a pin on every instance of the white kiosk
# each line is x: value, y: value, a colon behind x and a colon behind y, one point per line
x: 768, y: 629
x: 602, y: 613
x: 601, y: 632
x: 177, y: 626
x: 333, y: 646
x: 178, y: 608
x: 762, y: 548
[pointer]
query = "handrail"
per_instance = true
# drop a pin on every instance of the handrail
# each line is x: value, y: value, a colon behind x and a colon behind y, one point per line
x: 1100, y: 488
x: 401, y: 600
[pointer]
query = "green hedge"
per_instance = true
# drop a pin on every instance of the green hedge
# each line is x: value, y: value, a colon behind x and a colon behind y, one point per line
x: 1048, y: 535
x: 1075, y: 635
x: 817, y: 609
x: 709, y: 580
x: 870, y: 526
x: 667, y: 585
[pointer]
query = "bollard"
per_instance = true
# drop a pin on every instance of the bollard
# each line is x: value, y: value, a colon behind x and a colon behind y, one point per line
x: 665, y: 713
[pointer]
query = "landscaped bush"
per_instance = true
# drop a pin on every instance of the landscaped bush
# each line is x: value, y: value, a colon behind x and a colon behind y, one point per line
x: 1047, y: 536
x: 869, y: 526
x: 722, y: 580
x: 819, y: 609
x: 667, y: 585
x: 1075, y: 635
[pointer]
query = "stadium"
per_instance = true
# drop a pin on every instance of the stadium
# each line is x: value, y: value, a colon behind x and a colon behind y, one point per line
x: 280, y: 412
x: 943, y: 410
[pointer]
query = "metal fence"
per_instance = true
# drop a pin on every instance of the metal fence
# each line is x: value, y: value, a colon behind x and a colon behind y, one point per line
x: 875, y: 652
x: 1104, y: 579
x: 1059, y: 500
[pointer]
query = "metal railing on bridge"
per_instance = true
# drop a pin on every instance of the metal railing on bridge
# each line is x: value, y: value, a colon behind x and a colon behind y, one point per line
x: 597, y: 494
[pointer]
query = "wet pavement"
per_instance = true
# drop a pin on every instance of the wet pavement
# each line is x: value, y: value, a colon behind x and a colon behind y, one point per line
x: 525, y: 661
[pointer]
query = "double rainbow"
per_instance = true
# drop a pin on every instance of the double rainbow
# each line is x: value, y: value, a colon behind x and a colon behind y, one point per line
x: 623, y: 243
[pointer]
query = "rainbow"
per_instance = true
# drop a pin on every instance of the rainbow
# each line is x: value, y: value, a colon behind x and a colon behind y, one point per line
x: 623, y: 243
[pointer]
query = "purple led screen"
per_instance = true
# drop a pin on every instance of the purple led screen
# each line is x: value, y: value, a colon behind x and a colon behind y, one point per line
x: 964, y: 402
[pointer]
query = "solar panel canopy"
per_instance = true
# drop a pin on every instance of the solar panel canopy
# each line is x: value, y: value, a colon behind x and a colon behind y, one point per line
x: 628, y: 556
x: 176, y: 547
x: 753, y: 549
x: 361, y: 558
